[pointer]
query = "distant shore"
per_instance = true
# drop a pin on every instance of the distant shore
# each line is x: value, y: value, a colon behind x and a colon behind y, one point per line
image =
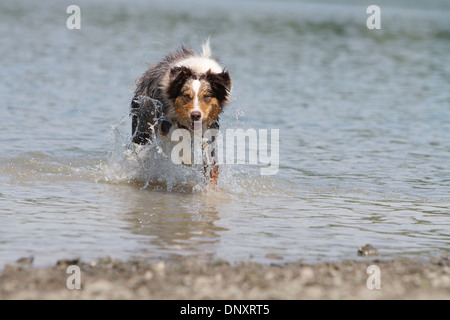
x: 187, y: 278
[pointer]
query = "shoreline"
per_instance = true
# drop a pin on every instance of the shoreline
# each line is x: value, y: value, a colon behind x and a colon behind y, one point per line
x: 190, y: 279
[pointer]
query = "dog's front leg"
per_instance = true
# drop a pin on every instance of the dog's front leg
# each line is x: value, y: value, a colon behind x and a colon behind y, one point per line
x: 214, y: 174
x: 210, y: 152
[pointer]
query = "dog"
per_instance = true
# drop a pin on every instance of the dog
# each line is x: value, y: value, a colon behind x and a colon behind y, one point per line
x: 185, y: 88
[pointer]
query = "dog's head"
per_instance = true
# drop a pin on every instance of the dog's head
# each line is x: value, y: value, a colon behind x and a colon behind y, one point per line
x: 196, y: 96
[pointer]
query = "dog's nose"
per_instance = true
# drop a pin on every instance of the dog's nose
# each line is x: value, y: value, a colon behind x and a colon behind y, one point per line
x: 196, y: 115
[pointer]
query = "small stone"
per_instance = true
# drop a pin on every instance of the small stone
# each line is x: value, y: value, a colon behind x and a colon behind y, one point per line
x: 67, y: 262
x: 367, y: 251
x: 159, y: 268
x: 148, y: 275
x: 10, y: 268
x: 274, y: 256
x: 307, y: 274
x: 26, y: 261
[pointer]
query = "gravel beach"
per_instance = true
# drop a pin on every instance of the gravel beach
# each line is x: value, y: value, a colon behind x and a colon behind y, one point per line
x: 187, y: 278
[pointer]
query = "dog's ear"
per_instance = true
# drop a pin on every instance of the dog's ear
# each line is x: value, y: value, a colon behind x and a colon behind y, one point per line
x: 220, y: 84
x: 177, y: 78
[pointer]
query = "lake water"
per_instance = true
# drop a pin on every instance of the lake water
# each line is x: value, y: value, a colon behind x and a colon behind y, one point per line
x: 363, y: 117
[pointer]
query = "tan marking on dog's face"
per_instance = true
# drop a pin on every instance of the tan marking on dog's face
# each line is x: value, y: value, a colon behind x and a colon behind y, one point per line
x: 196, y: 96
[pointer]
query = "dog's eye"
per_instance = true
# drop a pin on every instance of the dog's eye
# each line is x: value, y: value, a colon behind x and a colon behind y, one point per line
x: 187, y: 97
x: 206, y: 97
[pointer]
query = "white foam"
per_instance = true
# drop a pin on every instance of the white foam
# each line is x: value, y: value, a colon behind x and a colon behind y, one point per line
x: 150, y: 166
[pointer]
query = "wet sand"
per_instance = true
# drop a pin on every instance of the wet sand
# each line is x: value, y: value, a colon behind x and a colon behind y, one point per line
x: 187, y: 278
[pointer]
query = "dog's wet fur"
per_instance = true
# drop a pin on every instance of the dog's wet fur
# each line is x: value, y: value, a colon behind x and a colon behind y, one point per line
x: 190, y: 88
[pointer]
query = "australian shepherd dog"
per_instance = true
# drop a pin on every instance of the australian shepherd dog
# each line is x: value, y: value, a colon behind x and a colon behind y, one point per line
x: 191, y: 89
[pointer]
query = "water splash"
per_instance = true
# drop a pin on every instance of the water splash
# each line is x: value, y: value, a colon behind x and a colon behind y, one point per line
x: 150, y: 166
